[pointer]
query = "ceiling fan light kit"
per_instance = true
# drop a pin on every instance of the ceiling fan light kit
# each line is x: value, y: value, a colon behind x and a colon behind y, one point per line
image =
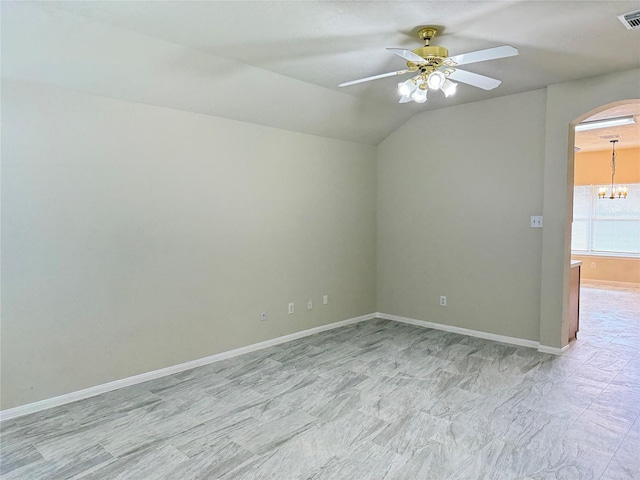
x: 435, y: 69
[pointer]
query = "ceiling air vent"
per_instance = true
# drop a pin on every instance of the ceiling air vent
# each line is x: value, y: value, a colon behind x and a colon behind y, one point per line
x: 630, y: 20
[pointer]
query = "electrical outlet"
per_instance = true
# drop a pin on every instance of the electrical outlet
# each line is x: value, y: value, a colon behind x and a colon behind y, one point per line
x: 263, y: 315
x: 325, y: 299
x: 291, y: 308
x: 593, y: 264
x: 309, y: 305
x: 443, y: 301
x: 536, y: 221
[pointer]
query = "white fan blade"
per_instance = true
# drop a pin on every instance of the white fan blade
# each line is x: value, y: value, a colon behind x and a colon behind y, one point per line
x: 375, y: 77
x: 482, y: 55
x: 405, y: 99
x: 475, y: 79
x: 407, y: 55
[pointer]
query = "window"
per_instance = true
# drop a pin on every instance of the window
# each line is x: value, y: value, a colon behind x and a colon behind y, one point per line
x: 605, y: 226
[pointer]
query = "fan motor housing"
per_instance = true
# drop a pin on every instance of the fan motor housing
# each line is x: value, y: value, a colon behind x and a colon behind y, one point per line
x: 433, y: 56
x: 432, y: 51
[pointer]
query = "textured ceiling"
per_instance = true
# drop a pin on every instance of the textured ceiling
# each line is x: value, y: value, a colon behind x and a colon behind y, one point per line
x: 279, y: 63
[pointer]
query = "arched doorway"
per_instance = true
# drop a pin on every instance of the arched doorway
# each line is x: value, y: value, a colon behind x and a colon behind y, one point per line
x: 605, y: 234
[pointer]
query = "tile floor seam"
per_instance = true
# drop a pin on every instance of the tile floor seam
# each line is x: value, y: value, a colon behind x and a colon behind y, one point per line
x: 108, y: 451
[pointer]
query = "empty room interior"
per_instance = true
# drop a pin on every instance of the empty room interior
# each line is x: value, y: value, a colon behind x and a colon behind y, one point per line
x: 320, y: 240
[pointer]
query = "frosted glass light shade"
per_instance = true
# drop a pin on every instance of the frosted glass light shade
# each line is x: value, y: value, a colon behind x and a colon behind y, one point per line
x: 449, y: 88
x: 436, y: 80
x: 419, y: 95
x: 406, y: 88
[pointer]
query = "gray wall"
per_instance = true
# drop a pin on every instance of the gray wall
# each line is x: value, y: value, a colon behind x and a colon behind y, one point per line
x: 137, y: 237
x: 456, y: 188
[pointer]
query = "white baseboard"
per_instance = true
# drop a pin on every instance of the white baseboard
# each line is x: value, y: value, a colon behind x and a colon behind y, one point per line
x: 144, y: 377
x: 554, y: 350
x: 590, y: 282
x: 522, y: 342
x: 463, y: 331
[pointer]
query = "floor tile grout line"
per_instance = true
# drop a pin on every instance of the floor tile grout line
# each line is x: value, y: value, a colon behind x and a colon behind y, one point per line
x: 108, y: 451
x: 619, y: 445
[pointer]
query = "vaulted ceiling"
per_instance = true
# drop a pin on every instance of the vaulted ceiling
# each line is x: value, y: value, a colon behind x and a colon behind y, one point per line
x: 279, y: 63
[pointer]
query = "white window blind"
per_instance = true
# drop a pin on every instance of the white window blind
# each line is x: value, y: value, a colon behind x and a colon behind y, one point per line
x: 605, y: 226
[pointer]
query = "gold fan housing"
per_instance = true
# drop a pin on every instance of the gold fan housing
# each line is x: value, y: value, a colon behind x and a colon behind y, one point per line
x: 431, y: 51
x: 433, y: 55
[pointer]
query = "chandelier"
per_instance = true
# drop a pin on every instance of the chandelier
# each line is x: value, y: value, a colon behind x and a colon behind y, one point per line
x: 620, y: 191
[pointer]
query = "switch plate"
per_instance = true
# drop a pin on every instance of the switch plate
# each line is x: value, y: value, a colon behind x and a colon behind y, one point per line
x: 536, y: 221
x: 263, y: 315
x: 443, y: 301
x: 593, y: 264
x: 291, y: 308
x: 309, y: 305
x: 325, y: 299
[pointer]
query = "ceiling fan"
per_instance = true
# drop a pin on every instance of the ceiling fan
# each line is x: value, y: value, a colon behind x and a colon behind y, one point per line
x: 436, y: 69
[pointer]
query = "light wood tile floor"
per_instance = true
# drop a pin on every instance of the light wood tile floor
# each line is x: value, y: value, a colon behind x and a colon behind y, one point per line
x: 376, y: 400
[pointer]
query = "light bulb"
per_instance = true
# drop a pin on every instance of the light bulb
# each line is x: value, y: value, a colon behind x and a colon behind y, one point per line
x: 449, y: 88
x: 419, y: 95
x: 436, y: 80
x: 405, y: 88
x: 602, y: 192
